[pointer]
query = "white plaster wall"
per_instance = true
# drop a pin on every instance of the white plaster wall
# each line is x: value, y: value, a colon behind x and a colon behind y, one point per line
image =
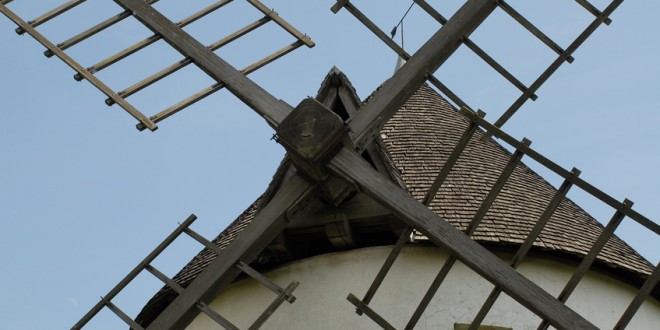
x: 326, y: 280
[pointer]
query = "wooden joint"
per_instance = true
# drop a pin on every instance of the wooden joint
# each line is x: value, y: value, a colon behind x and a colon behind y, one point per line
x: 338, y: 230
x: 338, y: 5
x: 312, y: 134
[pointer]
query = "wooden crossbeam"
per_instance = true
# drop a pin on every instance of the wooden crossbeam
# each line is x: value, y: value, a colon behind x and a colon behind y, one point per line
x: 262, y: 102
x: 639, y: 299
x: 350, y: 166
x: 367, y: 123
x: 525, y: 247
x: 265, y: 226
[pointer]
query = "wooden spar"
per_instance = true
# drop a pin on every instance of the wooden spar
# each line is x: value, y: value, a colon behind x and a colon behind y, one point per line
x: 267, y: 224
x: 366, y: 124
x: 262, y: 102
x: 350, y: 166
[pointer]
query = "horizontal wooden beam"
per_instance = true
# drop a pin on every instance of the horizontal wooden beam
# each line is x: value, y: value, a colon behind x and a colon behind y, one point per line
x: 349, y: 165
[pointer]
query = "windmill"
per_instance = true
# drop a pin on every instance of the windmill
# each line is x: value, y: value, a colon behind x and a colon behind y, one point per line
x: 302, y: 157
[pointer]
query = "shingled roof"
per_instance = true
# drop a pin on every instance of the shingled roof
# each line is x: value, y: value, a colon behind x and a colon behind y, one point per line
x: 416, y: 142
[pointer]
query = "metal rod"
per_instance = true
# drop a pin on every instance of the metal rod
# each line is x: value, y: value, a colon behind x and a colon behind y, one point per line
x: 186, y: 61
x: 288, y: 292
x: 370, y: 312
x: 557, y: 63
x: 533, y: 29
x: 127, y: 319
x: 77, y: 67
x: 554, y: 167
x: 588, y: 260
x: 592, y: 9
x: 477, y: 50
x: 281, y: 22
x: 218, y: 86
x: 472, y: 227
x: 92, y: 31
x: 50, y: 15
x: 126, y: 280
x: 525, y: 247
x: 152, y: 39
x: 639, y: 299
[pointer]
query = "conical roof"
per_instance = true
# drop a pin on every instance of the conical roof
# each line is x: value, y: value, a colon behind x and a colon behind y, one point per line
x: 414, y: 145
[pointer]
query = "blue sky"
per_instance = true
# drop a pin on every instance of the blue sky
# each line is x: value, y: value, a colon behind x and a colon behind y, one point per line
x: 84, y: 196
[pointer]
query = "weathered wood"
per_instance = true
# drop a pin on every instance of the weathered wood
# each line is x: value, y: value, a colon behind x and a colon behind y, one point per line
x: 350, y: 165
x: 219, y: 319
x: 639, y: 299
x: 50, y: 15
x: 262, y: 102
x: 525, y: 247
x: 472, y: 227
x: 245, y: 268
x: 592, y: 9
x: 477, y: 50
x: 566, y: 174
x: 265, y: 226
x: 366, y: 124
x: 451, y: 160
x: 287, y: 292
x: 133, y: 273
x: 370, y: 312
x: 282, y: 23
x: 79, y: 68
x: 127, y: 319
x: 557, y: 63
x: 589, y: 259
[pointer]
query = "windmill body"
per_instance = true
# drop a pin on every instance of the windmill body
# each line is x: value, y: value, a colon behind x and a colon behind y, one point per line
x: 404, y: 171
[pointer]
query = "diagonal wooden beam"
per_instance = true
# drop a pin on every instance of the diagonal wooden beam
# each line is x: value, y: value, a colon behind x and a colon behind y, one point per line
x: 368, y: 122
x: 349, y: 165
x: 265, y: 226
x: 266, y: 105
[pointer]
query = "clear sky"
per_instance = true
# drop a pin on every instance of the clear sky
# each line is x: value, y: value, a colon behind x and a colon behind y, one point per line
x: 84, y: 196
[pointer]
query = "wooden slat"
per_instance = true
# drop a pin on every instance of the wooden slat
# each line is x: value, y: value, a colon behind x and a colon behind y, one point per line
x: 215, y: 316
x: 281, y: 22
x: 349, y: 165
x: 133, y: 273
x: 525, y: 247
x: 366, y: 124
x: 78, y: 68
x: 154, y: 38
x: 50, y: 15
x: 265, y: 226
x: 262, y: 102
x: 592, y: 9
x: 370, y: 312
x: 477, y: 50
x: 533, y: 29
x: 639, y: 299
x: 146, y: 82
x: 127, y: 319
x: 451, y: 160
x: 218, y: 86
x: 472, y: 227
x: 168, y: 281
x: 287, y: 292
x: 557, y: 63
x: 589, y: 259
x: 92, y: 31
x: 245, y: 268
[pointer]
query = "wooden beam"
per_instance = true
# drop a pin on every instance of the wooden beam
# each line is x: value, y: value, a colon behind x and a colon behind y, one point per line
x: 367, y: 123
x: 262, y: 102
x: 265, y: 226
x: 350, y: 166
